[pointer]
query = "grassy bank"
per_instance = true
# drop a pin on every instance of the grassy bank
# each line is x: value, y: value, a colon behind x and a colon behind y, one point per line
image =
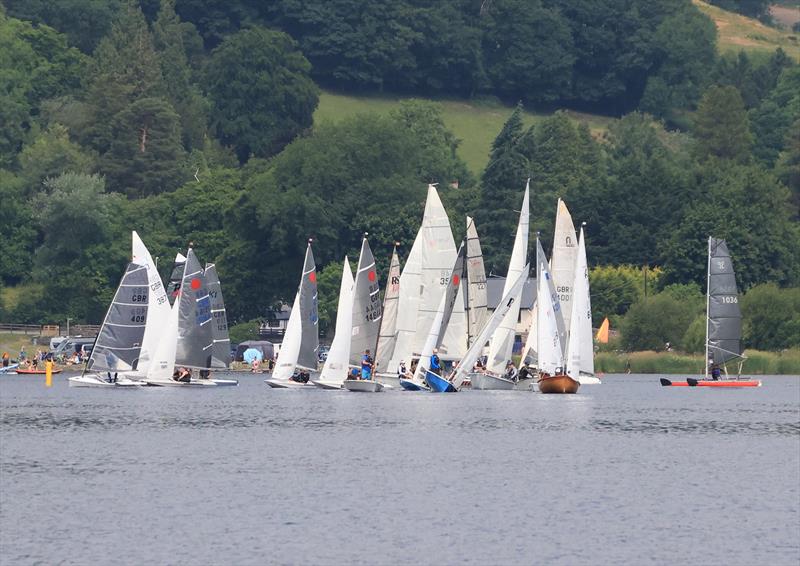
x: 12, y: 343
x: 757, y: 363
x: 474, y: 123
x: 736, y: 32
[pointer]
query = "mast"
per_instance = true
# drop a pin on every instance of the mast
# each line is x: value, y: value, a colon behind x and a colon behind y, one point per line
x: 708, y: 298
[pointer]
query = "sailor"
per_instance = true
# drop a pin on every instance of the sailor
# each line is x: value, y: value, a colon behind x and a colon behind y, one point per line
x: 715, y: 372
x: 511, y: 371
x: 436, y: 363
x: 366, y: 365
x: 182, y: 374
x: 402, y: 370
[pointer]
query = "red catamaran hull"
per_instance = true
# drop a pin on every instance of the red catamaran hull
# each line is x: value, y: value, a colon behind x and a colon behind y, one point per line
x: 706, y: 383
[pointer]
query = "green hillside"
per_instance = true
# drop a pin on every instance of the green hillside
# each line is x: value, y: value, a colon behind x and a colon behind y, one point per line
x: 736, y: 32
x: 476, y: 124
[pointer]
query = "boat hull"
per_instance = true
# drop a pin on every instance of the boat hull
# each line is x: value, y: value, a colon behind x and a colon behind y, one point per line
x: 558, y: 384
x: 391, y: 381
x: 10, y: 368
x: 327, y: 384
x: 411, y: 385
x: 486, y: 381
x: 35, y: 371
x: 690, y: 382
x: 363, y: 385
x: 589, y: 380
x: 438, y: 384
x: 99, y: 380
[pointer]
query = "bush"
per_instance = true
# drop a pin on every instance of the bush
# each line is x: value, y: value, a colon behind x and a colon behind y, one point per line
x: 771, y: 317
x: 652, y: 322
x: 244, y: 331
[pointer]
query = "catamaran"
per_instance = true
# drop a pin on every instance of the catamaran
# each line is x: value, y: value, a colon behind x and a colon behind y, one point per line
x: 723, y: 324
x: 132, y: 327
x: 297, y: 359
x: 366, y: 321
x: 337, y: 364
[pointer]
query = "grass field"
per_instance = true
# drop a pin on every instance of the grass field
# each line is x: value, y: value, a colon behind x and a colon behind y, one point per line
x: 736, y: 32
x: 475, y: 124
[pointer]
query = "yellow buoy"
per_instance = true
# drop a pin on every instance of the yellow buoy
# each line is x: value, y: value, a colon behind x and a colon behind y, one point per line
x: 48, y: 373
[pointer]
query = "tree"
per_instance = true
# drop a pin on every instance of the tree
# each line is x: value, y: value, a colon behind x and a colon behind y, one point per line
x: 772, y: 120
x: 771, y: 317
x: 145, y: 155
x: 615, y: 288
x: 18, y: 237
x: 721, y: 126
x: 528, y: 51
x: 751, y: 8
x: 745, y: 205
x: 261, y: 91
x: 51, y: 154
x: 665, y: 317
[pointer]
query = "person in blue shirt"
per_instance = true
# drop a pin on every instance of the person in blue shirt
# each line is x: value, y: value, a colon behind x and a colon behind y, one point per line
x: 366, y: 365
x: 436, y: 363
x: 715, y: 372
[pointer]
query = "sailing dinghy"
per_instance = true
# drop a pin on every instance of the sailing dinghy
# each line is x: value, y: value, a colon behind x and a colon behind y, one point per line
x: 297, y: 358
x: 337, y: 364
x: 366, y: 319
x: 723, y: 324
x: 580, y: 348
x: 123, y: 351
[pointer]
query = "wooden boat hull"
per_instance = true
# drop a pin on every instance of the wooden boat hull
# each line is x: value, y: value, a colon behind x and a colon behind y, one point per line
x: 35, y: 371
x: 363, y: 385
x: 438, y: 384
x: 690, y: 382
x: 558, y: 384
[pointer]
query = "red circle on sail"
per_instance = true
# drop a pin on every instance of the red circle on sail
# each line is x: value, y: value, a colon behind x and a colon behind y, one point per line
x: 196, y: 284
x: 371, y: 276
x: 312, y: 277
x: 456, y: 280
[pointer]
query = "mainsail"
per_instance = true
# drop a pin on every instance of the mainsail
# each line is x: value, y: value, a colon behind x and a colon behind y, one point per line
x: 158, y: 306
x: 175, y: 278
x: 580, y: 349
x: 221, y: 354
x: 562, y: 264
x: 443, y: 313
x: 502, y: 343
x: 336, y: 364
x: 195, y: 342
x: 366, y: 306
x: 120, y: 338
x: 477, y: 311
x: 388, y: 330
x: 407, y: 306
x: 724, y: 317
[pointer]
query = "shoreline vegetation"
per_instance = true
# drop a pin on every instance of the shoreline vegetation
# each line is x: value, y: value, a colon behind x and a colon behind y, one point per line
x: 786, y: 362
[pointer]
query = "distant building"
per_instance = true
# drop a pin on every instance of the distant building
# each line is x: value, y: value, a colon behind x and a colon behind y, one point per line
x: 275, y: 324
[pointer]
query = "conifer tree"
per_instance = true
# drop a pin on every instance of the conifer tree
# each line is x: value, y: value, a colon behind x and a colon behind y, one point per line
x: 721, y: 125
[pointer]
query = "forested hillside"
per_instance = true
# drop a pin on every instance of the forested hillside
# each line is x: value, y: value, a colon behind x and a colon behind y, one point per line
x: 193, y: 121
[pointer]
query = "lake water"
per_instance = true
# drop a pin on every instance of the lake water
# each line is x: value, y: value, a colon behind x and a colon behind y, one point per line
x: 626, y: 472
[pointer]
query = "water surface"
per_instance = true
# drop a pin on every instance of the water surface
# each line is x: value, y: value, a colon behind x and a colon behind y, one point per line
x: 625, y: 472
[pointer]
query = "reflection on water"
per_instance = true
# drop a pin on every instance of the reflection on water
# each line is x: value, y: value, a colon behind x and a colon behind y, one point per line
x: 251, y: 475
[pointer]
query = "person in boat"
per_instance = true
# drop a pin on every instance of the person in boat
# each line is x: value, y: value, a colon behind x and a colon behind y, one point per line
x: 300, y: 376
x: 111, y: 378
x: 715, y: 372
x: 436, y: 363
x: 402, y: 371
x: 367, y: 363
x: 205, y: 374
x: 511, y: 371
x: 182, y: 375
x: 354, y: 374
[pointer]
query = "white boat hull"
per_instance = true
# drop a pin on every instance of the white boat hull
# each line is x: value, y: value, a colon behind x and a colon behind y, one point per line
x: 193, y: 383
x: 100, y: 380
x: 288, y: 384
x: 589, y: 380
x: 364, y: 385
x: 488, y: 382
x: 390, y: 380
x: 327, y: 384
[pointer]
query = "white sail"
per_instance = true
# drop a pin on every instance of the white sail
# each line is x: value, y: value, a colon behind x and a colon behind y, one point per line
x: 290, y: 347
x: 502, y: 343
x: 336, y: 364
x: 407, y: 306
x: 163, y: 364
x: 158, y: 309
x: 580, y: 351
x: 477, y: 311
x: 549, y: 347
x: 366, y: 306
x: 529, y: 355
x: 387, y: 336
x: 506, y: 304
x: 438, y: 256
x: 562, y: 262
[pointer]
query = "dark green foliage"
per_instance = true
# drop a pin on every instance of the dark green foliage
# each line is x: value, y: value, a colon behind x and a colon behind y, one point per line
x: 51, y: 154
x: 721, y: 126
x: 665, y: 317
x: 261, y: 92
x: 748, y: 207
x: 772, y: 120
x: 17, y: 232
x: 145, y: 155
x: 771, y: 317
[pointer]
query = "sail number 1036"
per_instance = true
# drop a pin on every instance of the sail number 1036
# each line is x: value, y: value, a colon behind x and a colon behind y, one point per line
x: 729, y: 299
